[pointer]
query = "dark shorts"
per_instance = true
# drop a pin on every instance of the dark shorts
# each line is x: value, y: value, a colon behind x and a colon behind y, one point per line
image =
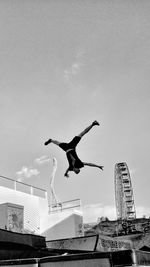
x: 72, y: 157
x: 71, y: 145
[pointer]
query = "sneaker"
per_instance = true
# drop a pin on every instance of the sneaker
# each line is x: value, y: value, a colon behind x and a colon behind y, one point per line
x: 48, y: 142
x: 95, y: 123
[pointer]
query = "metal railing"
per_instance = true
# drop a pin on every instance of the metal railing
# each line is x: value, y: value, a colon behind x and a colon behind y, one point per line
x: 22, y: 187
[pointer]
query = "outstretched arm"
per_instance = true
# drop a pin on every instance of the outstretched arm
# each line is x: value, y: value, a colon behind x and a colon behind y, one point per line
x: 86, y: 130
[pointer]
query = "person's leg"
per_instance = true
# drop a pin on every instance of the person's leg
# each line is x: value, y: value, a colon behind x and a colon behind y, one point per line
x: 93, y: 165
x: 86, y: 130
x: 52, y: 141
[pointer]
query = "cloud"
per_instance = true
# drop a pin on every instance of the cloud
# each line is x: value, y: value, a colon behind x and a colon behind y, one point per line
x: 75, y: 68
x: 26, y: 172
x: 42, y: 160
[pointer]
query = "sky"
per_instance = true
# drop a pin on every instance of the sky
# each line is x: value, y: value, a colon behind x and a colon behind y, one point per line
x: 64, y: 64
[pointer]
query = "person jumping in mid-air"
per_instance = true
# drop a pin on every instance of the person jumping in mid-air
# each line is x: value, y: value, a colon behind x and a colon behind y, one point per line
x: 75, y: 164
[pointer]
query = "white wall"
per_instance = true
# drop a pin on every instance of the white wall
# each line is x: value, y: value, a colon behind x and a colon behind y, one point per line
x: 66, y: 228
x: 30, y: 203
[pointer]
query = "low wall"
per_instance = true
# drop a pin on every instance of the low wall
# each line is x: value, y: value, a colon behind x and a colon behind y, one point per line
x: 90, y: 259
x: 80, y: 260
x: 35, y: 241
x: 78, y: 243
x: 91, y: 243
x: 106, y: 243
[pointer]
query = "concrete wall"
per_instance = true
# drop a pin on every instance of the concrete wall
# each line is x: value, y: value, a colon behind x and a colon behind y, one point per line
x: 11, y: 217
x: 91, y: 243
x: 67, y: 228
x: 106, y: 243
x: 80, y: 243
x: 78, y: 263
x: 15, y: 219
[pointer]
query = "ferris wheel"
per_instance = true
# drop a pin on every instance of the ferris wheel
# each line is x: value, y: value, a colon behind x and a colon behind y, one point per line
x: 125, y: 207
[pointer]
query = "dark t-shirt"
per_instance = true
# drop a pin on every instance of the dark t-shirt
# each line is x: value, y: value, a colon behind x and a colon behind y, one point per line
x: 70, y: 149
